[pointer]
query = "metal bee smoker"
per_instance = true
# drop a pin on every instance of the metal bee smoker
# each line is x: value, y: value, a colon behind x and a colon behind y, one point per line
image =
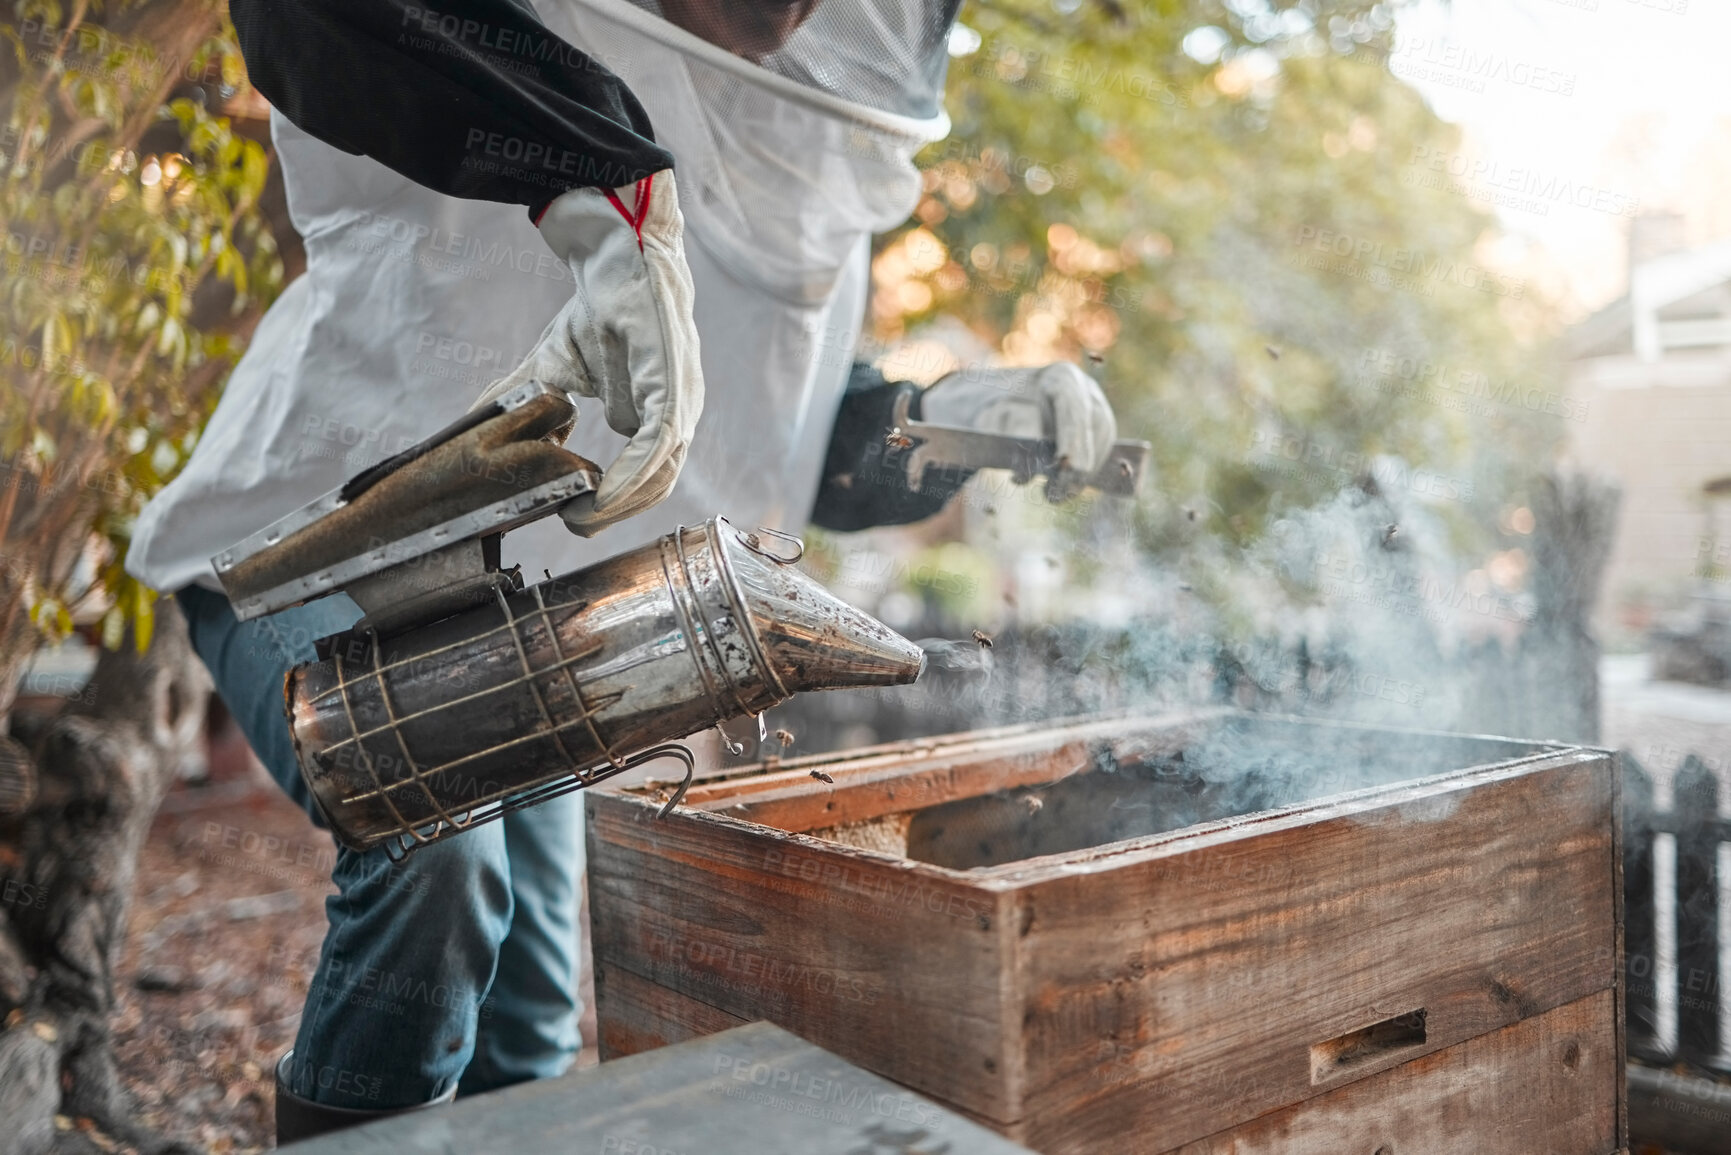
x: 462, y: 696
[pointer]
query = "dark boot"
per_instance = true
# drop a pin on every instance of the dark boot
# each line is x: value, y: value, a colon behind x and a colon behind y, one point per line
x: 298, y: 1118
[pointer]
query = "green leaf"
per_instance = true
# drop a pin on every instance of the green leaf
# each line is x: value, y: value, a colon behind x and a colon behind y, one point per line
x: 56, y: 338
x: 113, y: 627
x: 144, y: 615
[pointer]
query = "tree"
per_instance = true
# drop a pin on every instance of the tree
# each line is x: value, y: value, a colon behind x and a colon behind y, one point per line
x: 1252, y: 220
x: 136, y: 263
x: 69, y: 862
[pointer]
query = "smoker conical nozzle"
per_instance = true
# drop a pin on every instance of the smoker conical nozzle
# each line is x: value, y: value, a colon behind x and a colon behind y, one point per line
x: 813, y: 640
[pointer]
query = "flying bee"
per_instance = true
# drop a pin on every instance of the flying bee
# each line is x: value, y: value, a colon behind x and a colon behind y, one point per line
x: 822, y: 777
x: 785, y: 737
x: 896, y: 439
x: 983, y: 638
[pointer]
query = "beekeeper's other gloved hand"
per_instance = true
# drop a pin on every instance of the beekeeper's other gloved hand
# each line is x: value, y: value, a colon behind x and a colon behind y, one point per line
x: 626, y: 338
x: 1057, y: 402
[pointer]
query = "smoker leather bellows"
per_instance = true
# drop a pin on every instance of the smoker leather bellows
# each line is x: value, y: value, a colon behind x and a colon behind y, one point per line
x: 461, y: 696
x: 560, y: 685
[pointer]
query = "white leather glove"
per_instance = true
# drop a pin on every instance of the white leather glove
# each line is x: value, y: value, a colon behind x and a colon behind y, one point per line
x: 627, y: 338
x: 1057, y: 402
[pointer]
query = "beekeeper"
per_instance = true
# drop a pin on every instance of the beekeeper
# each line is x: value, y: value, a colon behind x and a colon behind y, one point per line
x: 484, y: 198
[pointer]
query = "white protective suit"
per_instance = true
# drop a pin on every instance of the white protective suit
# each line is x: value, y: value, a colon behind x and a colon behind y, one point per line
x: 413, y: 302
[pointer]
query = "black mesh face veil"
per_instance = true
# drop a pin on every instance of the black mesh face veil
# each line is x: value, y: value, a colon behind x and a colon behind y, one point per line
x: 888, y: 55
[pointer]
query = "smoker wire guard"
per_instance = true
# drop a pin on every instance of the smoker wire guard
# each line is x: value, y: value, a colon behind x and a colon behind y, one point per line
x: 407, y: 837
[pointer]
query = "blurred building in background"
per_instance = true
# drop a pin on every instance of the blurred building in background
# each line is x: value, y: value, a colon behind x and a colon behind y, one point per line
x: 1653, y: 373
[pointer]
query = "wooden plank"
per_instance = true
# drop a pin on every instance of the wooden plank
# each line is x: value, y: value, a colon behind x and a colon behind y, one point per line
x: 1619, y: 894
x: 878, y: 782
x: 635, y: 1015
x: 928, y: 771
x: 747, y: 1091
x: 1679, y: 1112
x: 1546, y: 1084
x: 1211, y: 969
x: 896, y: 966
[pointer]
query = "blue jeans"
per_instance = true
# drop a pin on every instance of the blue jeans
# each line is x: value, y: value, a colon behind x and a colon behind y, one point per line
x: 455, y: 966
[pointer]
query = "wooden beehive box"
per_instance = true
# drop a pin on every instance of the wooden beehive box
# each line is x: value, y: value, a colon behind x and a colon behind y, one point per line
x: 1206, y: 933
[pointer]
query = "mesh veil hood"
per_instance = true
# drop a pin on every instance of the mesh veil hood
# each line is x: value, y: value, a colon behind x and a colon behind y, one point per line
x: 887, y: 55
x: 788, y: 159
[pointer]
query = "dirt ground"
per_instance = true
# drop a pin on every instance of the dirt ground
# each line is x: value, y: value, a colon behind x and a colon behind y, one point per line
x: 225, y: 931
x: 226, y: 922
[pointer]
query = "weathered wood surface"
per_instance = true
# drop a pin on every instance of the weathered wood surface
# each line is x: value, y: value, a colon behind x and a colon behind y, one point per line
x: 1546, y: 1085
x: 1189, y: 994
x: 1619, y: 944
x: 1679, y: 1112
x: 916, y: 774
x: 642, y: 1016
x: 1134, y: 996
x: 106, y: 761
x: 925, y: 772
x: 898, y: 963
x: 753, y: 1090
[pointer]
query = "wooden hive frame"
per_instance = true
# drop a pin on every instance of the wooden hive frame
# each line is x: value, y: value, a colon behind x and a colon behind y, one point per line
x: 1446, y: 948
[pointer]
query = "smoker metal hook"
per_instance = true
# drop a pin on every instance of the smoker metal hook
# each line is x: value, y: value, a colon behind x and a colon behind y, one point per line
x: 670, y: 750
x: 755, y: 544
x: 732, y: 745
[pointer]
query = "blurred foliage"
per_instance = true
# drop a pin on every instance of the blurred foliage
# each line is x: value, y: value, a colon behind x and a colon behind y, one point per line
x: 136, y: 261
x: 1220, y: 200
x: 1216, y: 197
